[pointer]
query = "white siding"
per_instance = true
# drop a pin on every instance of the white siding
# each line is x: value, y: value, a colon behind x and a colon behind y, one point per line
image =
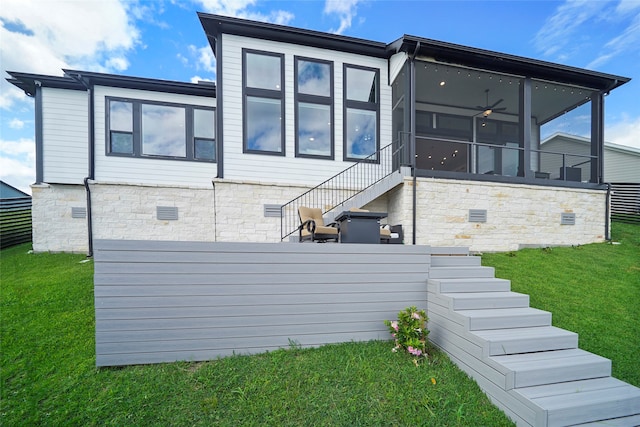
x: 289, y: 169
x: 142, y: 170
x: 65, y: 135
x: 620, y: 166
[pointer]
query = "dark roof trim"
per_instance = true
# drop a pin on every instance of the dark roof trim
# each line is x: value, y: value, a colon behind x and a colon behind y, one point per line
x: 214, y: 25
x: 76, y: 80
x: 505, y: 63
x: 28, y: 82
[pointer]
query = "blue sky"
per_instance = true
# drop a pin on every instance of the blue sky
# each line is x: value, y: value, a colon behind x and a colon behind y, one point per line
x: 164, y: 39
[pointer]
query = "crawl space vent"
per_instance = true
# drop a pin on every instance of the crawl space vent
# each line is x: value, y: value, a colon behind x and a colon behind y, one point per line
x: 167, y: 213
x: 567, y: 219
x: 477, y: 215
x: 78, y: 212
x: 272, y: 211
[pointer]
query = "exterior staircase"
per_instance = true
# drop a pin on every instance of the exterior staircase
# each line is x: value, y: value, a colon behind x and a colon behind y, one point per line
x: 530, y: 369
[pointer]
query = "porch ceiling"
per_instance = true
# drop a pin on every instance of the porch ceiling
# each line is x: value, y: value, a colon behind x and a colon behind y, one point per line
x: 451, y: 86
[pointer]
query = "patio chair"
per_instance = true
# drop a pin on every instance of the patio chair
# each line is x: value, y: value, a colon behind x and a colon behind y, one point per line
x: 313, y: 228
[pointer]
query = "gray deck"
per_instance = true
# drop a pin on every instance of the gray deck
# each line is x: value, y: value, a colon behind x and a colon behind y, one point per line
x: 168, y: 301
x: 533, y: 371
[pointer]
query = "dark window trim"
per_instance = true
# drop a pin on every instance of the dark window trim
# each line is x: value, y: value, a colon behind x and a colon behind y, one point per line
x: 263, y: 93
x: 314, y: 99
x: 137, y: 128
x: 360, y: 105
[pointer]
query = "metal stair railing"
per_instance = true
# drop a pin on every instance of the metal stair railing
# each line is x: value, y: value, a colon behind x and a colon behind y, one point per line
x: 344, y: 186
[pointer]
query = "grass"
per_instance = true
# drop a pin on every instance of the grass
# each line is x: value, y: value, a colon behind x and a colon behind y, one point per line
x: 593, y: 290
x: 49, y: 375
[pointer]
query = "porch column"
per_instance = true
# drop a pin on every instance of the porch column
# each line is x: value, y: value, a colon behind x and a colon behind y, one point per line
x: 525, y: 127
x: 597, y: 137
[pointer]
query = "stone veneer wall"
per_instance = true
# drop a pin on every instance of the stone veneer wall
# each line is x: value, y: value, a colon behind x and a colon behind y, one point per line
x: 233, y: 211
x: 228, y: 211
x: 54, y: 229
x: 517, y: 215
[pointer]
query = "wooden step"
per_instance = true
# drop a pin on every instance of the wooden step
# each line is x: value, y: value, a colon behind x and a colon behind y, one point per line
x: 504, y: 318
x: 587, y: 401
x: 456, y: 261
x: 498, y: 342
x: 548, y: 367
x: 486, y: 300
x: 461, y: 272
x: 449, y: 251
x: 486, y: 284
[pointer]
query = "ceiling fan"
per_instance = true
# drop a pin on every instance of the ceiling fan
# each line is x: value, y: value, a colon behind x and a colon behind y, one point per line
x: 489, y: 108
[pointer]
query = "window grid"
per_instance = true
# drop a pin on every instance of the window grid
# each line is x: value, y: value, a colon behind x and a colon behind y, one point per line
x: 314, y: 113
x: 116, y: 139
x: 263, y: 102
x: 361, y: 106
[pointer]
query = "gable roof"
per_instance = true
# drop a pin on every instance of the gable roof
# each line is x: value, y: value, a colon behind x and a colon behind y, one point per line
x: 215, y: 25
x: 587, y: 142
x: 10, y: 192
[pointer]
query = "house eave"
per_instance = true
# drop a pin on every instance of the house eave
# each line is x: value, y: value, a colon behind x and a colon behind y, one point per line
x: 142, y: 83
x: 215, y: 25
x: 506, y: 63
x: 28, y: 82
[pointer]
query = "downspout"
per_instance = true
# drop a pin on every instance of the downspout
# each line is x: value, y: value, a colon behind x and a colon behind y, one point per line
x: 412, y: 153
x: 607, y: 219
x: 92, y: 164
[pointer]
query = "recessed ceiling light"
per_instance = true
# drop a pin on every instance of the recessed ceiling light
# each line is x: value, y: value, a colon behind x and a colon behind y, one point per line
x: 442, y: 83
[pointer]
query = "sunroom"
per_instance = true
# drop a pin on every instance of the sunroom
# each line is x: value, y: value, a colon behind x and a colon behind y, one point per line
x: 473, y: 114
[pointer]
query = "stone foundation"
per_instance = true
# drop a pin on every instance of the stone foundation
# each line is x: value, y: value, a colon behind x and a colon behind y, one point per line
x: 233, y: 211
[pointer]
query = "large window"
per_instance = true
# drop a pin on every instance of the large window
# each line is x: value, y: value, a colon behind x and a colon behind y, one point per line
x: 138, y: 128
x: 314, y: 108
x: 263, y: 81
x: 361, y: 112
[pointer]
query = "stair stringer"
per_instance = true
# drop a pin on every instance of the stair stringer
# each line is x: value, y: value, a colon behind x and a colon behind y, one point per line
x: 553, y: 398
x: 368, y: 195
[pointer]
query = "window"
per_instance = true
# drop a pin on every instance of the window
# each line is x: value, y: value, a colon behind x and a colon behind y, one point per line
x: 263, y: 105
x: 157, y: 130
x: 121, y: 127
x: 361, y: 112
x: 314, y: 108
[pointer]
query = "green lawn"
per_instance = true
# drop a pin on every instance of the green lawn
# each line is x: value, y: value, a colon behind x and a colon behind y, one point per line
x: 593, y: 290
x: 49, y: 376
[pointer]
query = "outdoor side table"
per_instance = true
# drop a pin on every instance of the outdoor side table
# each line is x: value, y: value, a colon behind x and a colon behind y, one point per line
x: 360, y: 227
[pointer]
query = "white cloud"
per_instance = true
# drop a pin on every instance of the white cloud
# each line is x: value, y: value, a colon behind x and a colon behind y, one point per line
x: 196, y: 79
x: 46, y: 36
x: 556, y: 35
x: 346, y: 11
x: 240, y: 9
x: 624, y: 132
x: 17, y: 163
x: 626, y: 42
x: 16, y: 124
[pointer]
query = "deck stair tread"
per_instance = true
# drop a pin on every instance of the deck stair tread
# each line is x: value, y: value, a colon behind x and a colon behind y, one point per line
x: 504, y: 318
x: 532, y: 370
x: 455, y: 285
x: 456, y: 261
x: 462, y: 272
x: 485, y: 300
x: 572, y: 404
x: 526, y: 340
